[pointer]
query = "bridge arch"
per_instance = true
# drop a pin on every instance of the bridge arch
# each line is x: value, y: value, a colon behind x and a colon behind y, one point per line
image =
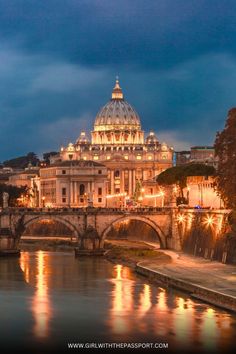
x: 67, y: 223
x: 160, y: 234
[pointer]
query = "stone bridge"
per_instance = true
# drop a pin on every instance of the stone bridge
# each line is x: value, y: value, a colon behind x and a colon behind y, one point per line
x: 170, y: 224
x: 14, y: 221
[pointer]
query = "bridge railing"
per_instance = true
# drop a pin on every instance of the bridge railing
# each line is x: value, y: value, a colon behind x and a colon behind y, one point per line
x: 91, y: 210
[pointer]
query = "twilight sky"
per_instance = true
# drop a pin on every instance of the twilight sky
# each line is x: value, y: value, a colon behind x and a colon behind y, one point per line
x: 176, y: 60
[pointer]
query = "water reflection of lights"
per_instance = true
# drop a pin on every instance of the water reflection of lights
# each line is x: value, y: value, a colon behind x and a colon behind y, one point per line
x: 24, y: 264
x: 161, y: 309
x: 41, y: 306
x: 183, y: 315
x: 209, y: 329
x: 145, y: 300
x: 122, y: 303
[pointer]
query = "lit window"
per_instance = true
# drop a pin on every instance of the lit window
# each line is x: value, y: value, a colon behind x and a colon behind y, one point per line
x: 95, y: 157
x: 126, y: 157
x: 85, y: 158
x: 164, y: 156
x: 138, y: 157
x: 108, y: 157
x: 149, y: 157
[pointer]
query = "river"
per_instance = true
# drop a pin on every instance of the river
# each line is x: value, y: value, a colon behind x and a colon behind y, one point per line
x: 49, y: 299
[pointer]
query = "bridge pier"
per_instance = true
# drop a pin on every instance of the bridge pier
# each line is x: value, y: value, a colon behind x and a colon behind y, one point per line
x: 89, y: 243
x: 8, y: 245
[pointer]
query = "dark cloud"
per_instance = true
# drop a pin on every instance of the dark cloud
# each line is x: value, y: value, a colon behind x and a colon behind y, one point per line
x: 105, y: 32
x: 58, y: 60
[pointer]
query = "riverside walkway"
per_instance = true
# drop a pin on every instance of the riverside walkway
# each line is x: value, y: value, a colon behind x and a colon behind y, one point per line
x: 209, y: 281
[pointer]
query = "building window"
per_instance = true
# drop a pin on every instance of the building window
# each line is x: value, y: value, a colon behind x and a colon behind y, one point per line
x: 85, y: 158
x: 126, y: 157
x: 81, y: 189
x: 108, y: 157
x: 117, y: 174
x: 99, y: 200
x: 63, y: 191
x: 164, y: 156
x: 63, y: 200
x: 95, y: 157
x: 117, y: 190
x: 138, y: 157
x: 149, y: 157
x: 63, y: 172
x: 99, y: 191
x: 70, y: 156
x: 99, y: 172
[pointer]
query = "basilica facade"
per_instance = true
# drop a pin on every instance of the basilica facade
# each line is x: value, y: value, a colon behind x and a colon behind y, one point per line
x: 119, y: 143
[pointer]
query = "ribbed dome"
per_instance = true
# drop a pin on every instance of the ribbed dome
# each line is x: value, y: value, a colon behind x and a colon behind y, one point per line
x: 117, y: 114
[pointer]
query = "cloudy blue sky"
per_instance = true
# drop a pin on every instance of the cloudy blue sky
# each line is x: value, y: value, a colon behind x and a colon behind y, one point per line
x: 176, y: 60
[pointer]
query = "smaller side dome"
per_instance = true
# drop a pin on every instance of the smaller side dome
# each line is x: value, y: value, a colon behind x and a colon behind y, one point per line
x: 151, y: 138
x: 82, y: 139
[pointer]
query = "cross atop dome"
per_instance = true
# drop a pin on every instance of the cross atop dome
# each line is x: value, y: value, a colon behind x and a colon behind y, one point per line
x: 117, y: 93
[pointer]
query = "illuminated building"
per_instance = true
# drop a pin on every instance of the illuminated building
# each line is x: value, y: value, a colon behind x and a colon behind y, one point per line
x: 73, y: 184
x: 118, y: 142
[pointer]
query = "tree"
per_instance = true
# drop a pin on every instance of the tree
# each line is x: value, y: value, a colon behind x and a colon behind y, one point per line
x: 138, y: 191
x: 22, y: 161
x: 47, y: 155
x: 225, y: 150
x: 178, y: 175
x: 14, y: 193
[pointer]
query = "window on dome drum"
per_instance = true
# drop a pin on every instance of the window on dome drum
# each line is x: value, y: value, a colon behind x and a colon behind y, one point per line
x: 81, y: 189
x: 117, y: 174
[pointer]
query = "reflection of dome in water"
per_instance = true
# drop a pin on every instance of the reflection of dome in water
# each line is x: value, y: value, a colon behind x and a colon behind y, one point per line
x: 117, y: 114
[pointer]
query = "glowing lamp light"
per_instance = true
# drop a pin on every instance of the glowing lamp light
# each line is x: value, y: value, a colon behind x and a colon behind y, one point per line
x: 209, y: 221
x: 180, y: 218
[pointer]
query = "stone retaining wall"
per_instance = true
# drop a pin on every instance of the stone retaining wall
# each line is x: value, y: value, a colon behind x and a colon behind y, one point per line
x: 197, y: 291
